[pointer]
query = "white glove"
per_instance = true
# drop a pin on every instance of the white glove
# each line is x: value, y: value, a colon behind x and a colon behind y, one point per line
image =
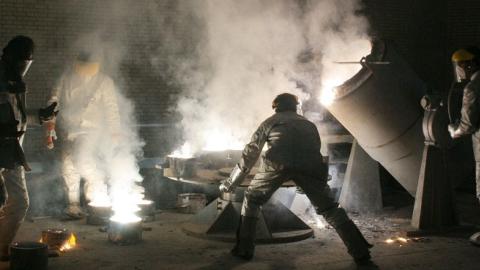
x: 224, y: 188
x: 454, y: 131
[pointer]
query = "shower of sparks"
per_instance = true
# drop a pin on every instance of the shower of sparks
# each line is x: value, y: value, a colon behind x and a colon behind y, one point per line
x: 398, y: 239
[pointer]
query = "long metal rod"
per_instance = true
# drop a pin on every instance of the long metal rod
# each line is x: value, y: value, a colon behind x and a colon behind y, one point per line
x: 360, y: 62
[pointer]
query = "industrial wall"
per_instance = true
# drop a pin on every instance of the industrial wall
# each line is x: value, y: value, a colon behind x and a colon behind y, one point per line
x: 463, y: 28
x: 56, y: 27
x: 418, y: 28
x: 426, y: 32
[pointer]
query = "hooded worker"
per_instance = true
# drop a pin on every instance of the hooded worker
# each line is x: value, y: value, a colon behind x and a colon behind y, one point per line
x: 15, y: 61
x: 293, y: 154
x: 466, y: 64
x: 89, y: 118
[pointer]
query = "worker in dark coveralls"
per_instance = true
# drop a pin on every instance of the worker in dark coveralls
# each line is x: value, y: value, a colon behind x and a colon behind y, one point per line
x: 466, y: 63
x: 293, y: 154
x: 15, y: 61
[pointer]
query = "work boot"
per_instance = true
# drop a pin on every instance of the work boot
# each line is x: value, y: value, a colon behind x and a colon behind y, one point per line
x: 245, y: 246
x: 357, y: 245
x: 366, y: 264
x: 74, y: 212
x: 475, y: 239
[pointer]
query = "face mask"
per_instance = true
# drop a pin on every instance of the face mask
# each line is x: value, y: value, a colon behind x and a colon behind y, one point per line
x: 86, y: 69
x: 460, y: 74
x: 23, y: 67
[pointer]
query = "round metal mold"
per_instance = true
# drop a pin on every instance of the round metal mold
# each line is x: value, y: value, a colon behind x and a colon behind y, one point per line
x: 191, y: 203
x: 28, y: 256
x: 125, y: 233
x: 55, y: 238
x: 220, y: 219
x: 98, y: 215
x: 181, y: 167
x: 147, y: 210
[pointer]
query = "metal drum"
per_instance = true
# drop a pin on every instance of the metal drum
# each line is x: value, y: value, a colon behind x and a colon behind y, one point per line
x: 181, y: 167
x: 191, y: 203
x: 28, y: 256
x: 56, y: 238
x: 147, y: 210
x: 125, y: 233
x: 98, y: 215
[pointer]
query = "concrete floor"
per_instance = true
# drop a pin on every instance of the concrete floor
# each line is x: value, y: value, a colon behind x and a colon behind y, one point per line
x: 166, y: 246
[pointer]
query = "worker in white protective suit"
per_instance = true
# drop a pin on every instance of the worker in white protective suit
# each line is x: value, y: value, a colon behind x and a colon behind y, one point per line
x: 466, y: 64
x: 88, y: 121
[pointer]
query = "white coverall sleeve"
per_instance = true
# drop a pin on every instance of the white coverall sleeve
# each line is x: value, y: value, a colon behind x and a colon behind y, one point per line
x: 55, y: 93
x: 470, y: 109
x: 110, y: 101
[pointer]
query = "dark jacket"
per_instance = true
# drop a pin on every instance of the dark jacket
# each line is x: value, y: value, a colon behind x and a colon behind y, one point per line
x: 293, y: 144
x: 470, y: 113
x: 13, y: 124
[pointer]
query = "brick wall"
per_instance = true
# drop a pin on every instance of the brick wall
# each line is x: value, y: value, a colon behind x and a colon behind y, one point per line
x: 463, y: 28
x: 418, y: 30
x: 56, y: 25
x: 426, y: 32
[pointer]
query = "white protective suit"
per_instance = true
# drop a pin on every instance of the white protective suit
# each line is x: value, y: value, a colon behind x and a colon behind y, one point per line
x: 88, y: 120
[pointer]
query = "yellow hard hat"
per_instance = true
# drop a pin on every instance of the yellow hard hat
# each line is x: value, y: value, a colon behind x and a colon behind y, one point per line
x: 462, y: 55
x: 86, y: 69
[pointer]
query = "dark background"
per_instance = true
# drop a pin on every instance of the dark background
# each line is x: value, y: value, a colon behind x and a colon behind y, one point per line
x: 426, y: 32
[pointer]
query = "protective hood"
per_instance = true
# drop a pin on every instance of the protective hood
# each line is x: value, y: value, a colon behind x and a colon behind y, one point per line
x: 23, y: 67
x: 86, y: 69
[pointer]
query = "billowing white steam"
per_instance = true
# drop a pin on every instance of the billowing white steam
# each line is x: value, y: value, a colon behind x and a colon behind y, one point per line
x: 122, y: 166
x: 338, y: 33
x: 114, y: 140
x: 251, y: 50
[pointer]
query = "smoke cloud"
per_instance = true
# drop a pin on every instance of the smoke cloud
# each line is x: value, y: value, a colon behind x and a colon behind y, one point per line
x: 100, y: 128
x: 250, y: 51
x: 229, y: 58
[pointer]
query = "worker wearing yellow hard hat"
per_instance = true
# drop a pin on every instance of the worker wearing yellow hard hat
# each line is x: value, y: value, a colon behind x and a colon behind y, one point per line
x: 85, y: 65
x: 466, y: 63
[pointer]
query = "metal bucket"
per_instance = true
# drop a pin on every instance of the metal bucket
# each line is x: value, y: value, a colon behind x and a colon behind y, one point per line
x: 181, y: 167
x: 125, y: 233
x: 191, y: 203
x: 147, y: 210
x: 28, y: 256
x: 98, y: 215
x: 55, y: 238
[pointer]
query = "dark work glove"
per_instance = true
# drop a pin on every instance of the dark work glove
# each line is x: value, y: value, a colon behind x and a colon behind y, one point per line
x: 47, y: 113
x: 16, y: 87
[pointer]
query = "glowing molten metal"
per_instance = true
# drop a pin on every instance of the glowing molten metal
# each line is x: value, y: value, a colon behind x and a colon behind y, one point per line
x: 335, y: 74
